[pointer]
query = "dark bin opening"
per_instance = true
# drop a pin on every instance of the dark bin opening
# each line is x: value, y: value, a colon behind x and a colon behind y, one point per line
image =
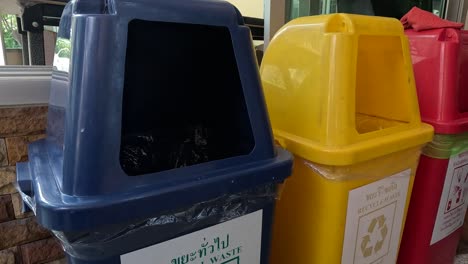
x: 183, y: 102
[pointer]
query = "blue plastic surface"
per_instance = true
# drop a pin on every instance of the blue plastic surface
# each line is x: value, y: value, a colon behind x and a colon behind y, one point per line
x: 74, y: 176
x: 111, y: 242
x: 268, y: 209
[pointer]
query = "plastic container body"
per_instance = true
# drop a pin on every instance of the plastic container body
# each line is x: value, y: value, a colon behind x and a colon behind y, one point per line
x: 438, y: 203
x: 164, y: 236
x: 312, y: 212
x: 146, y: 159
x: 332, y: 84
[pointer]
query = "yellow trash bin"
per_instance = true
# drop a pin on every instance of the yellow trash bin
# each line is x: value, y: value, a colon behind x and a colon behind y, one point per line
x: 341, y: 96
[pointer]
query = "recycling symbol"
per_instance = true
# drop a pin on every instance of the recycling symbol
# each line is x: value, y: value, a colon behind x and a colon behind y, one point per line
x: 377, y: 225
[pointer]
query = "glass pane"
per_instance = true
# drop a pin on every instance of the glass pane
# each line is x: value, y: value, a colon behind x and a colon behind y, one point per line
x: 439, y: 7
x: 11, y: 48
x: 388, y: 8
x: 16, y: 45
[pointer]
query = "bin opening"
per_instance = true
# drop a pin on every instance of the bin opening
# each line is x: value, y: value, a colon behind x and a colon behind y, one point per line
x: 176, y: 111
x: 381, y: 83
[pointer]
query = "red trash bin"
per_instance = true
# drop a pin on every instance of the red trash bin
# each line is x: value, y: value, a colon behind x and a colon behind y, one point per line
x: 439, y: 199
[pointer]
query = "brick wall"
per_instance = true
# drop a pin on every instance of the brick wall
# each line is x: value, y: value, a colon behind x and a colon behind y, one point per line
x: 22, y: 239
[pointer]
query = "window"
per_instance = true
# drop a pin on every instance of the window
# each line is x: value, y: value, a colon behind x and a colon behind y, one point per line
x: 12, y: 41
x: 23, y: 48
x: 27, y: 50
x: 389, y: 8
x: 29, y: 31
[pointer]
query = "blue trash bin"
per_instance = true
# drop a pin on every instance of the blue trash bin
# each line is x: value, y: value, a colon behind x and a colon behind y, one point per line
x: 158, y: 147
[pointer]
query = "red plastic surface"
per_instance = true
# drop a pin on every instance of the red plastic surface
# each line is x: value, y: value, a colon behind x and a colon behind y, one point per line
x: 416, y: 246
x: 440, y: 63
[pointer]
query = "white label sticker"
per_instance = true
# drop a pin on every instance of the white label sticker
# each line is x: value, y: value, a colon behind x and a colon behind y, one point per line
x: 452, y: 205
x: 238, y: 241
x: 374, y: 221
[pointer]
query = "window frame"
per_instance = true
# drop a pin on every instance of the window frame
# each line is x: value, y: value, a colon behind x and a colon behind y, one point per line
x: 24, y: 85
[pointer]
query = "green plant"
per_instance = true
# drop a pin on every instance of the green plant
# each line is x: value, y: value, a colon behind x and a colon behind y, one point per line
x: 10, y: 29
x: 63, y: 48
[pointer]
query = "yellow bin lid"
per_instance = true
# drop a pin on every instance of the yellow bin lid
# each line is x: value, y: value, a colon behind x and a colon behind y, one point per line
x: 340, y: 89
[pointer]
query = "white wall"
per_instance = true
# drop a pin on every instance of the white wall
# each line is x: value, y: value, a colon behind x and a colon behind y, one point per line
x: 9, y: 7
x: 250, y: 8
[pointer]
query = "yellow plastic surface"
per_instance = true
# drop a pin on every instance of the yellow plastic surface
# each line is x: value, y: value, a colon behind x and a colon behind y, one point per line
x: 340, y: 89
x: 310, y: 215
x: 341, y: 96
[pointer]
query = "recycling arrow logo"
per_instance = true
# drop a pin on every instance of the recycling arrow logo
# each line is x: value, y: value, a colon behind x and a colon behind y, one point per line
x: 377, y: 225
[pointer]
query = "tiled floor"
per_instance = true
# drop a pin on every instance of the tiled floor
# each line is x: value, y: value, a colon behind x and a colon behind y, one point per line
x: 461, y: 259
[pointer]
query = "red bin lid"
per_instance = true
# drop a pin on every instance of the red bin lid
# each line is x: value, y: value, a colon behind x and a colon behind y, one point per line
x: 440, y: 63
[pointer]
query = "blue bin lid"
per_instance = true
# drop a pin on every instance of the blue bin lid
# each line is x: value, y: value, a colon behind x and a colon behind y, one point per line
x: 58, y: 211
x: 74, y: 176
